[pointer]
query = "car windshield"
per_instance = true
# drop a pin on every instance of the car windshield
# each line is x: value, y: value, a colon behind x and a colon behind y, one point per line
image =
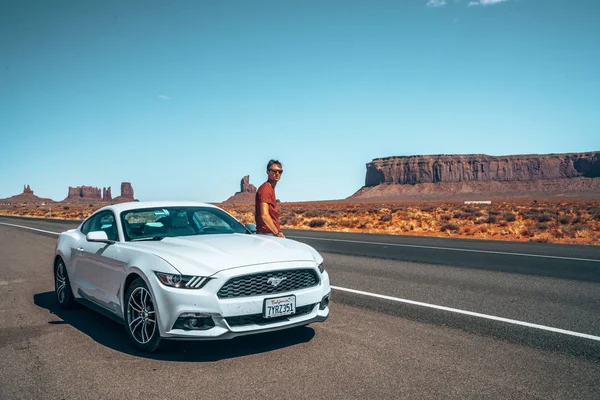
x: 157, y: 223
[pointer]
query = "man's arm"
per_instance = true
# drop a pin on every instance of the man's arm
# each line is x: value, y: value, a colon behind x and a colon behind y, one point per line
x: 264, y: 213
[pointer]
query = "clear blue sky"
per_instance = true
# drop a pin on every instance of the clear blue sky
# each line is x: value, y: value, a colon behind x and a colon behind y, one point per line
x: 184, y: 98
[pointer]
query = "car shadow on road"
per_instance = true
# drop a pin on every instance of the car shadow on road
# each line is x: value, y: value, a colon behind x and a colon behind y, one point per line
x: 111, y: 334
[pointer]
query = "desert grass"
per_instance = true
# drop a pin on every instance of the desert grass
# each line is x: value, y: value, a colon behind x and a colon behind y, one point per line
x: 572, y: 221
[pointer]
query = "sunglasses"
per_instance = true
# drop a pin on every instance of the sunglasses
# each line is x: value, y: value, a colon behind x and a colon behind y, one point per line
x: 276, y: 171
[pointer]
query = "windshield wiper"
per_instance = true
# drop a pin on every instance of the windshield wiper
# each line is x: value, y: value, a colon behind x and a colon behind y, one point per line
x: 148, y: 239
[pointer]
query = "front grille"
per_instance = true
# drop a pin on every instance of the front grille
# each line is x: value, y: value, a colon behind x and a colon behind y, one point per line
x: 259, y: 284
x: 259, y: 320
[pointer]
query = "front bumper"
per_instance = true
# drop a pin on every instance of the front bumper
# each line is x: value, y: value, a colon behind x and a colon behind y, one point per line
x: 172, y: 302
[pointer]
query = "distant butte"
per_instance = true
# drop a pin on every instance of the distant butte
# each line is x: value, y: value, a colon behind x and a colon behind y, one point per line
x: 75, y: 195
x: 27, y: 197
x: 440, y: 176
x: 246, y: 195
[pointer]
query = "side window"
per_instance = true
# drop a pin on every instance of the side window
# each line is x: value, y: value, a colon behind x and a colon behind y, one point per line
x: 85, y: 228
x: 105, y: 222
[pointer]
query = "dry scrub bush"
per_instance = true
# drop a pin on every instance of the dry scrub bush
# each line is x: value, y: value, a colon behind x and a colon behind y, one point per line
x: 317, y: 223
x: 509, y: 217
x: 385, y: 218
x: 450, y: 227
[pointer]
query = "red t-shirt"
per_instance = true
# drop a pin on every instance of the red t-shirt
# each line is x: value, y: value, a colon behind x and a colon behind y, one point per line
x: 266, y: 194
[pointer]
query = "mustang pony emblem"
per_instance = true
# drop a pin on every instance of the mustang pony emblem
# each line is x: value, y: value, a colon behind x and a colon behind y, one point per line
x: 275, y: 281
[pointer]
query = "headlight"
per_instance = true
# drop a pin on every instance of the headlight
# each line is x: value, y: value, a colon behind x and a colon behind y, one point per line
x: 322, y: 267
x: 182, y: 281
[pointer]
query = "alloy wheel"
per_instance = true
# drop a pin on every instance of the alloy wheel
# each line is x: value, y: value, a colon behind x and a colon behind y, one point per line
x: 60, y: 282
x: 141, y: 316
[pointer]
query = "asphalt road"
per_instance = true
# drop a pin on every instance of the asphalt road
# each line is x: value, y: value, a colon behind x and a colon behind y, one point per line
x: 371, y: 347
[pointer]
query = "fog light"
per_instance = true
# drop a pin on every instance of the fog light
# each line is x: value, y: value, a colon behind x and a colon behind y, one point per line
x: 194, y: 322
x: 191, y: 323
x: 324, y: 302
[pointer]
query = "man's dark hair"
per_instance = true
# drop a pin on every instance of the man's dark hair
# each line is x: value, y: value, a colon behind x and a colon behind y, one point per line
x: 271, y: 162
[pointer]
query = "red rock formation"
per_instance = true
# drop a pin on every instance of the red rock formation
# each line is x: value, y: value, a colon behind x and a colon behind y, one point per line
x: 106, y: 195
x: 27, y: 197
x: 84, y: 194
x: 246, y: 186
x: 394, y: 178
x: 246, y: 195
x: 126, y: 193
x: 481, y: 168
x: 126, y: 190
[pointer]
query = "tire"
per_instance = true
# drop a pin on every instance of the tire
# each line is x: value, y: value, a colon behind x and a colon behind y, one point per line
x: 140, y: 317
x: 62, y: 286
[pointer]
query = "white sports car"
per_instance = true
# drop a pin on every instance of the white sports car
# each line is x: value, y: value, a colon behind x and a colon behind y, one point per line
x: 187, y: 270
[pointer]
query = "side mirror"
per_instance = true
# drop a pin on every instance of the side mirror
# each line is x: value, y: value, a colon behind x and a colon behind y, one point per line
x: 98, y: 236
x: 251, y: 228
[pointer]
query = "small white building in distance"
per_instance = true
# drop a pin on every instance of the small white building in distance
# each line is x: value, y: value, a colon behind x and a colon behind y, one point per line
x: 479, y: 202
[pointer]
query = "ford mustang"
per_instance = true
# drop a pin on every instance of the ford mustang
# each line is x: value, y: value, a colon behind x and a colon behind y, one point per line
x: 188, y: 270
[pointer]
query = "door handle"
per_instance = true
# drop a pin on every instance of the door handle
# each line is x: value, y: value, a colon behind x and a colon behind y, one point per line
x: 80, y: 249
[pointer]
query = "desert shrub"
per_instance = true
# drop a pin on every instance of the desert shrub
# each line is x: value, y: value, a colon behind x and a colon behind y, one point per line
x: 429, y: 209
x: 386, y: 218
x: 579, y: 220
x: 544, y: 218
x: 491, y: 219
x: 459, y: 215
x: 446, y: 217
x: 317, y: 223
x: 469, y: 210
x: 346, y: 223
x: 503, y: 223
x: 509, y: 217
x: 596, y: 216
x: 494, y: 212
x: 450, y: 227
x: 300, y: 211
x: 564, y: 220
x: 469, y: 230
x: 567, y: 231
x: 526, y: 232
x: 541, y: 227
x: 312, y: 214
x: 66, y: 207
x: 532, y: 215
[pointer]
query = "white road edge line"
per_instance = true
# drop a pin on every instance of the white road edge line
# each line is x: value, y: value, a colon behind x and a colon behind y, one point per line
x: 471, y: 313
x: 447, y: 248
x: 418, y: 303
x: 27, y: 227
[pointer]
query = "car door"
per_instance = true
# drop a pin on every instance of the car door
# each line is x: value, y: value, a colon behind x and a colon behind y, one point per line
x: 99, y: 266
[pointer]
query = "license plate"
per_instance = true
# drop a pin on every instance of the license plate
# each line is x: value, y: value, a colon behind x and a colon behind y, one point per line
x: 279, y: 306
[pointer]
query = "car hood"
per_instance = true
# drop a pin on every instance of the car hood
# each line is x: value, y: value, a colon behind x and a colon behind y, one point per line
x: 207, y: 254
